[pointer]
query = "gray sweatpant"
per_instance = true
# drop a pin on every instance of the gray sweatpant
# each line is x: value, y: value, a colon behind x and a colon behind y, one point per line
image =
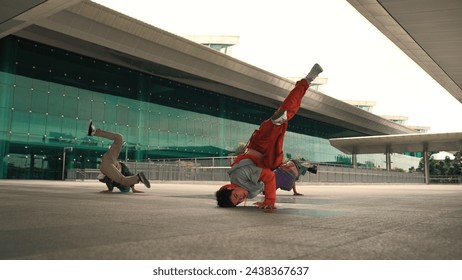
x: 109, y: 160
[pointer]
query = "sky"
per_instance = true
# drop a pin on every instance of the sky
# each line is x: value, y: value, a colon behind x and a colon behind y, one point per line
x: 287, y: 37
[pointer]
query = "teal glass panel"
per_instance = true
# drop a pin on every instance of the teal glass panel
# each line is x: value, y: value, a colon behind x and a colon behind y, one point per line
x: 23, y: 82
x: 5, y: 120
x: 153, y: 140
x: 84, y: 110
x: 55, y: 103
x: 99, y: 97
x: 110, y: 112
x: 56, y: 88
x: 97, y: 111
x: 39, y: 85
x: 70, y: 102
x: 142, y: 136
x: 182, y: 141
x: 191, y: 123
x: 20, y: 122
x: 54, y: 126
x: 173, y: 120
x: 154, y: 119
x: 134, y: 116
x: 182, y: 124
x: 36, y: 124
x: 69, y: 130
x: 133, y: 134
x: 39, y: 100
x: 121, y: 114
x: 7, y: 78
x: 6, y: 94
x: 172, y: 140
x: 163, y: 139
x: 22, y: 98
x: 163, y: 119
x: 71, y: 92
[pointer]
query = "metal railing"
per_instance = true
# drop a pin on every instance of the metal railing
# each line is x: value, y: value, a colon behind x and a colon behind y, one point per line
x: 445, y: 179
x: 215, y: 169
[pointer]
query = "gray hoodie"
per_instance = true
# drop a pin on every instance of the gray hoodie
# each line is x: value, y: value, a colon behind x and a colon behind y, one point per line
x: 245, y: 174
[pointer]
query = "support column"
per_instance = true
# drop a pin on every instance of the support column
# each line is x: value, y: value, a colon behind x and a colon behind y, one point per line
x: 354, y: 160
x: 388, y: 159
x: 426, y: 164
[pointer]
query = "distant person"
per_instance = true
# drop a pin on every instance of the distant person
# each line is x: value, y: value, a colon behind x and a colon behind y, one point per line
x: 111, y: 184
x: 288, y: 173
x: 110, y: 166
x: 252, y: 172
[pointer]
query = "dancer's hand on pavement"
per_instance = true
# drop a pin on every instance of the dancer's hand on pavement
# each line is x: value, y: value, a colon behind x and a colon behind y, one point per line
x: 262, y: 205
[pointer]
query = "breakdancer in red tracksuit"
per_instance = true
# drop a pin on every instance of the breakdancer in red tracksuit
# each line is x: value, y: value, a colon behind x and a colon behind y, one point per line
x: 252, y: 172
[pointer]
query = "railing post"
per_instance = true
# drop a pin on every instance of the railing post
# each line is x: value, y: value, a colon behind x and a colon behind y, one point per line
x: 149, y: 169
x: 213, y: 169
x: 195, y: 169
x: 64, y: 159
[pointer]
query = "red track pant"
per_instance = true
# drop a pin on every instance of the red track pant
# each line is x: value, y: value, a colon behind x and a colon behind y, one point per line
x: 268, y: 140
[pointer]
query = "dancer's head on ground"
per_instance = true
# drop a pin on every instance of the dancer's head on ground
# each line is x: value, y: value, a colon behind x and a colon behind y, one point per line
x: 231, y: 195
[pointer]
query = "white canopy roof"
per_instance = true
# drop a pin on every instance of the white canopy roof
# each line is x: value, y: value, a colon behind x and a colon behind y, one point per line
x: 399, y: 143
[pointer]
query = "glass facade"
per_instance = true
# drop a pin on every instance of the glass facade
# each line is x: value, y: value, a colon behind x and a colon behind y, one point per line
x: 48, y: 96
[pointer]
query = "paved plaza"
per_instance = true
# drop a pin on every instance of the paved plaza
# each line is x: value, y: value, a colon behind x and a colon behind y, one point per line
x: 56, y: 220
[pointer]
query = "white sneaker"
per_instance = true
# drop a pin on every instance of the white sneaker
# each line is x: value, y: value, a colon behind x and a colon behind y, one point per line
x: 314, y: 72
x: 100, y: 176
x: 91, y: 129
x: 279, y: 117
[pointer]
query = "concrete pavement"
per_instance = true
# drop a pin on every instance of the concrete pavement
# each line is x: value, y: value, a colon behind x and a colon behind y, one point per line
x: 177, y: 220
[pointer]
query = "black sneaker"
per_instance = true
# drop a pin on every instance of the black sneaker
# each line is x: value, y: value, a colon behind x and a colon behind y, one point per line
x: 144, y: 180
x: 91, y: 129
x: 313, y: 169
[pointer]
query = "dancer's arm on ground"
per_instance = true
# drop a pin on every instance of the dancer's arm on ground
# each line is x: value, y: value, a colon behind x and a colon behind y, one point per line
x: 135, y: 190
x: 295, y: 190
